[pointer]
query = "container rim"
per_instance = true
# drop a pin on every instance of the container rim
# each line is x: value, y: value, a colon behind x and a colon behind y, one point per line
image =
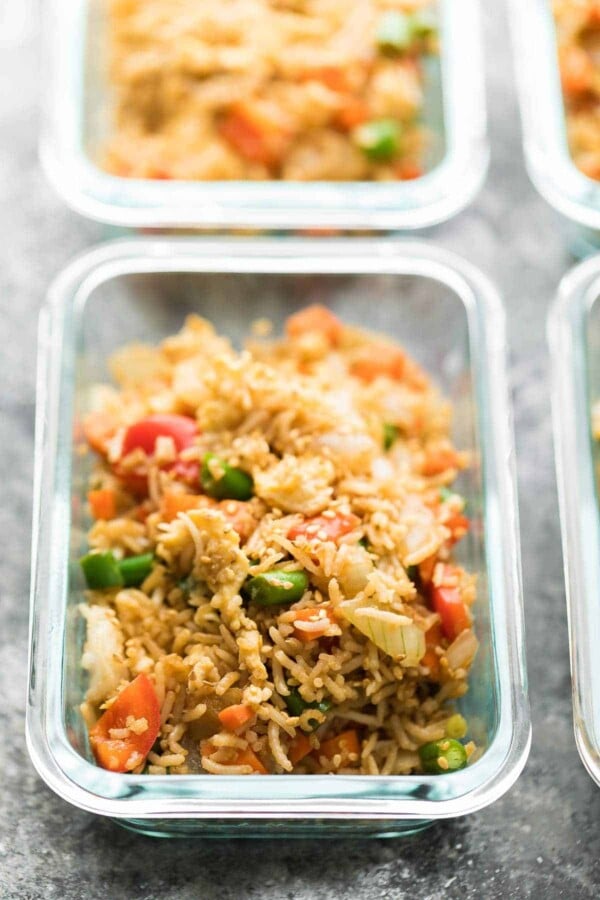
x: 578, y: 496
x: 352, y: 797
x: 434, y: 197
x: 547, y: 156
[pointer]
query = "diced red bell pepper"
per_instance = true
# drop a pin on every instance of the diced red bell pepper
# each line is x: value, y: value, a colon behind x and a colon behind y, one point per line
x: 135, y: 702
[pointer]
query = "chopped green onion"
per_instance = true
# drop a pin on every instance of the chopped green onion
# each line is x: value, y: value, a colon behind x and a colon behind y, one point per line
x: 136, y: 569
x: 440, y: 757
x: 276, y: 587
x: 445, y: 494
x: 396, y: 33
x: 379, y: 139
x: 390, y: 435
x: 363, y: 542
x: 456, y: 726
x: 101, y: 570
x: 296, y: 705
x: 225, y: 482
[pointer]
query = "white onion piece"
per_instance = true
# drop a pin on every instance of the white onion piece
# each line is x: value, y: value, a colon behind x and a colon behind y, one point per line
x: 355, y: 573
x: 396, y: 635
x: 462, y: 650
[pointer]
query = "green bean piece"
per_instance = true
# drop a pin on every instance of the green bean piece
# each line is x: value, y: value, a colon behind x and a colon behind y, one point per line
x: 296, y: 705
x: 225, y: 482
x: 390, y: 435
x: 395, y: 33
x: 276, y: 587
x: 379, y: 139
x: 440, y: 757
x: 101, y: 570
x: 136, y: 569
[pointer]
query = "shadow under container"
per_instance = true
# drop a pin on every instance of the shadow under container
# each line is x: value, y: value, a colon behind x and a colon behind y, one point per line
x: 543, y: 118
x: 77, y: 122
x: 449, y: 317
x: 574, y: 336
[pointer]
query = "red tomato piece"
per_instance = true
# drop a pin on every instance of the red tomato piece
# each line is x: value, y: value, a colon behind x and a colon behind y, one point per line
x: 143, y: 435
x: 452, y: 611
x: 122, y: 754
x: 323, y: 528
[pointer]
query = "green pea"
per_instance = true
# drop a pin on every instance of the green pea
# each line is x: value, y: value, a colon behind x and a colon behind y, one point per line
x: 440, y: 757
x: 395, y: 33
x: 225, y: 482
x: 390, y: 435
x: 101, y: 570
x: 276, y: 587
x: 136, y: 569
x: 296, y: 705
x: 379, y: 139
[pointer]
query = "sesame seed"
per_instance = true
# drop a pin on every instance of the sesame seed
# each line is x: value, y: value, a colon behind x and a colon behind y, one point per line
x: 443, y: 763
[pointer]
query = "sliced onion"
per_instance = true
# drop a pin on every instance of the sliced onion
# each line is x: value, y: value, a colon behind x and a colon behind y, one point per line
x: 462, y: 650
x: 394, y: 634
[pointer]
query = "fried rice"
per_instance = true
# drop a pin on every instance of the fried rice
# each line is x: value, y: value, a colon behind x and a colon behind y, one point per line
x: 267, y: 89
x: 578, y: 34
x: 344, y: 445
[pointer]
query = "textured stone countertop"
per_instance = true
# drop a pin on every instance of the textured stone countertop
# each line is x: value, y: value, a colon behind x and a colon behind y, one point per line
x: 542, y: 839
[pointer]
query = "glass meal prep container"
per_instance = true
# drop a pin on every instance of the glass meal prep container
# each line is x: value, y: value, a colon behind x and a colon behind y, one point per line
x: 77, y: 112
x: 547, y: 154
x: 450, y: 318
x: 574, y: 336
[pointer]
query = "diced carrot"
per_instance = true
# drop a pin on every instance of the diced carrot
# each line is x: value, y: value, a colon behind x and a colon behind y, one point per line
x: 242, y: 758
x: 249, y: 758
x: 323, y: 528
x: 576, y: 70
x: 99, y: 428
x: 173, y: 503
x: 379, y: 360
x: 408, y: 171
x: 137, y: 701
x: 240, y: 516
x: 433, y: 637
x: 315, y: 318
x: 299, y: 748
x: 256, y: 132
x: 354, y: 112
x: 346, y: 745
x: 335, y: 78
x: 236, y: 716
x: 458, y: 526
x: 448, y: 604
x: 312, y: 615
x: 426, y: 568
x: 440, y: 459
x: 103, y: 503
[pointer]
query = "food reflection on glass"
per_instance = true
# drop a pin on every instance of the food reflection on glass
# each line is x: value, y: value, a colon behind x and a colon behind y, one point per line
x: 271, y: 570
x: 299, y: 90
x: 578, y: 32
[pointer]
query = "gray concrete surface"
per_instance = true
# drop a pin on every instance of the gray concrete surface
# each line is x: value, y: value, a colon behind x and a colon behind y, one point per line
x: 542, y: 839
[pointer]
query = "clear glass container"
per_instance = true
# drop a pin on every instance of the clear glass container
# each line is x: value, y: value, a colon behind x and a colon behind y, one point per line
x: 446, y: 314
x: 76, y: 120
x: 574, y: 336
x: 547, y: 154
